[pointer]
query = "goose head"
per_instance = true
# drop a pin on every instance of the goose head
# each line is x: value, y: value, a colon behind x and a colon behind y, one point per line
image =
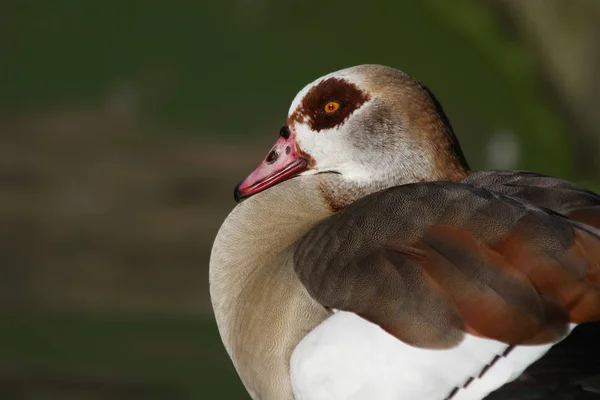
x: 360, y: 130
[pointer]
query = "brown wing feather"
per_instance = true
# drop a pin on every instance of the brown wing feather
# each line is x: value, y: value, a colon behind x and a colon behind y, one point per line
x: 589, y: 216
x: 544, y: 191
x: 485, y: 289
x: 430, y: 261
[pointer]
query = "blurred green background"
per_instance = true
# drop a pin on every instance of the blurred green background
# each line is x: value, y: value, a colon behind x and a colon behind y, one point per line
x: 125, y: 125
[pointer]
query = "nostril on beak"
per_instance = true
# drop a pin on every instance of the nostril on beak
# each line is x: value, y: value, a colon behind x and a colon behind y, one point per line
x: 284, y: 132
x: 272, y: 157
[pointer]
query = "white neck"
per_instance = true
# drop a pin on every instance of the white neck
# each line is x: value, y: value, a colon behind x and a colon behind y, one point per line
x: 261, y: 307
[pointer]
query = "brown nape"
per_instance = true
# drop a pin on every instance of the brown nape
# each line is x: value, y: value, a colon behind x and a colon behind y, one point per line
x: 339, y: 90
x: 453, y: 146
x: 429, y: 129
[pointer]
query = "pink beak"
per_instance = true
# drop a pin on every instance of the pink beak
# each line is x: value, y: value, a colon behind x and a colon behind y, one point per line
x: 283, y: 162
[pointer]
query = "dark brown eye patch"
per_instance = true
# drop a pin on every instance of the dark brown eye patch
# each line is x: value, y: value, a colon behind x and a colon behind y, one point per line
x: 329, y: 104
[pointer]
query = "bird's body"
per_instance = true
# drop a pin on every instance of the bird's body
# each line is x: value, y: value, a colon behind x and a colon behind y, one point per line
x: 386, y: 269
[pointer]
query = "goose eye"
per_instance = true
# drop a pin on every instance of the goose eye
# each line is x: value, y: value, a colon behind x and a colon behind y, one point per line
x: 331, y: 107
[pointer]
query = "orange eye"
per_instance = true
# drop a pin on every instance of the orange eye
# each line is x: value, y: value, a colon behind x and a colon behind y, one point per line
x: 331, y: 107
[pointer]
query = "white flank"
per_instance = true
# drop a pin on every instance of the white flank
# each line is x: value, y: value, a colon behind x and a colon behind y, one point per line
x: 348, y: 358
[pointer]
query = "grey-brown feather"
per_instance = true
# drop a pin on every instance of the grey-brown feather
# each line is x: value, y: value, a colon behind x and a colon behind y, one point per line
x: 542, y: 190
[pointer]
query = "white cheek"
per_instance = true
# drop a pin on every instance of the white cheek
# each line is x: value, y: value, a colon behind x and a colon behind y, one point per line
x: 324, y: 146
x: 330, y: 151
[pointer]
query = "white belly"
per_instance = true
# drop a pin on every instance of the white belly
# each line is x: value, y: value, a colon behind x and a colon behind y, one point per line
x: 348, y: 358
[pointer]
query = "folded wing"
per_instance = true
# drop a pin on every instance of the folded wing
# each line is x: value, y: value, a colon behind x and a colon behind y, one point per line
x: 430, y: 262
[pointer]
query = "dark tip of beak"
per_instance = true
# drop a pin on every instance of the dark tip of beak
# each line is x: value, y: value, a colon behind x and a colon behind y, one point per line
x: 236, y: 194
x: 284, y: 132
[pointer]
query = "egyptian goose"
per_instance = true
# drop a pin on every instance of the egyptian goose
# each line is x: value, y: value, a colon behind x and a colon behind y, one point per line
x: 367, y: 261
